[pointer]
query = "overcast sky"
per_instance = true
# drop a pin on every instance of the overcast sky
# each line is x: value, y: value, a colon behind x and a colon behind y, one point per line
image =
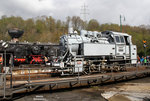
x: 136, y: 12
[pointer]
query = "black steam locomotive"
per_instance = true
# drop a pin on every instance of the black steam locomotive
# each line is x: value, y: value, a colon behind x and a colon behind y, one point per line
x: 27, y: 53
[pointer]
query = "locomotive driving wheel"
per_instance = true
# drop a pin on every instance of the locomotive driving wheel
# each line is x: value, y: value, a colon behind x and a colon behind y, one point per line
x: 116, y: 68
x: 92, y: 68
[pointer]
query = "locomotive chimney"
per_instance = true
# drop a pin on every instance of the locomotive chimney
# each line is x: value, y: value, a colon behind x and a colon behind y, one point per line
x: 70, y: 28
x: 15, y: 34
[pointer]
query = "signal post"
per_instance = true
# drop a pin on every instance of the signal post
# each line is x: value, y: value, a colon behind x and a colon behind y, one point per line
x: 144, y: 45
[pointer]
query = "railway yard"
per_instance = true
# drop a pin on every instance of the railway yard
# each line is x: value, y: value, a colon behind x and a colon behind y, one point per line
x: 50, y: 50
x: 35, y: 67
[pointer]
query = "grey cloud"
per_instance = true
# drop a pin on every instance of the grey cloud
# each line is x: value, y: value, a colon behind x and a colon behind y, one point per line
x: 137, y: 12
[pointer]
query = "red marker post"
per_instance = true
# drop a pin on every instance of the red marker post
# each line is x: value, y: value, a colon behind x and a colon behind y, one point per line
x: 144, y: 45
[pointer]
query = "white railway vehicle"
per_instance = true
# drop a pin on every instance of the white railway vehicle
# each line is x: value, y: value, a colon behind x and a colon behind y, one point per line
x: 97, y: 51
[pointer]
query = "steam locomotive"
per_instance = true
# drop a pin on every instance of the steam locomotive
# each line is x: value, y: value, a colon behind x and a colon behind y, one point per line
x: 84, y: 53
x: 23, y: 53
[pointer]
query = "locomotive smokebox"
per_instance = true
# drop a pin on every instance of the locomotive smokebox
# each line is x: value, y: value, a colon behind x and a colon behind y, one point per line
x: 15, y: 34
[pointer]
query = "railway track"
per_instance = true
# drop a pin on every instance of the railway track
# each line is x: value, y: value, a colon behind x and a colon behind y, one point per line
x: 46, y: 82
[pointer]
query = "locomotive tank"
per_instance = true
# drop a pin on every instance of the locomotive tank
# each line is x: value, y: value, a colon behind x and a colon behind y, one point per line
x: 72, y: 42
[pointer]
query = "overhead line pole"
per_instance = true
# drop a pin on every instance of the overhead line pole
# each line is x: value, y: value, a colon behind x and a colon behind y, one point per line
x: 120, y: 24
x: 84, y: 13
x: 121, y: 27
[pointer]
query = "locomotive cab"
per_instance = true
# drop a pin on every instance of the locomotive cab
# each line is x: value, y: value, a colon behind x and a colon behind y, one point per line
x: 124, y: 47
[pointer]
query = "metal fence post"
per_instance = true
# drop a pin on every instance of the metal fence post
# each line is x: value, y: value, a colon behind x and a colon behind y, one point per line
x: 4, y: 85
x: 78, y: 73
x: 29, y: 76
x: 5, y: 76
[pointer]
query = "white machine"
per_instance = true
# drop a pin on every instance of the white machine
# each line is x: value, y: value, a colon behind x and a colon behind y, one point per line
x: 98, y: 49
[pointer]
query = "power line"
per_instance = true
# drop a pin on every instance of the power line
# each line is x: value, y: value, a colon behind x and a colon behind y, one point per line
x: 84, y: 11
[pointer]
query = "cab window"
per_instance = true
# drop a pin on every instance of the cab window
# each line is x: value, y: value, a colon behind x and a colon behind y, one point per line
x: 122, y: 39
x: 127, y: 40
x: 117, y: 39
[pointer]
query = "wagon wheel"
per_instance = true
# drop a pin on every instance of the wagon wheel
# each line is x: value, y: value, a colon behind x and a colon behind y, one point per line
x: 116, y: 68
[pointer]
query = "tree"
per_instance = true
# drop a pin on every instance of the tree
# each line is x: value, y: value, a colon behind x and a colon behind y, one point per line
x: 77, y: 23
x: 48, y: 29
x: 51, y: 24
x: 93, y: 25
